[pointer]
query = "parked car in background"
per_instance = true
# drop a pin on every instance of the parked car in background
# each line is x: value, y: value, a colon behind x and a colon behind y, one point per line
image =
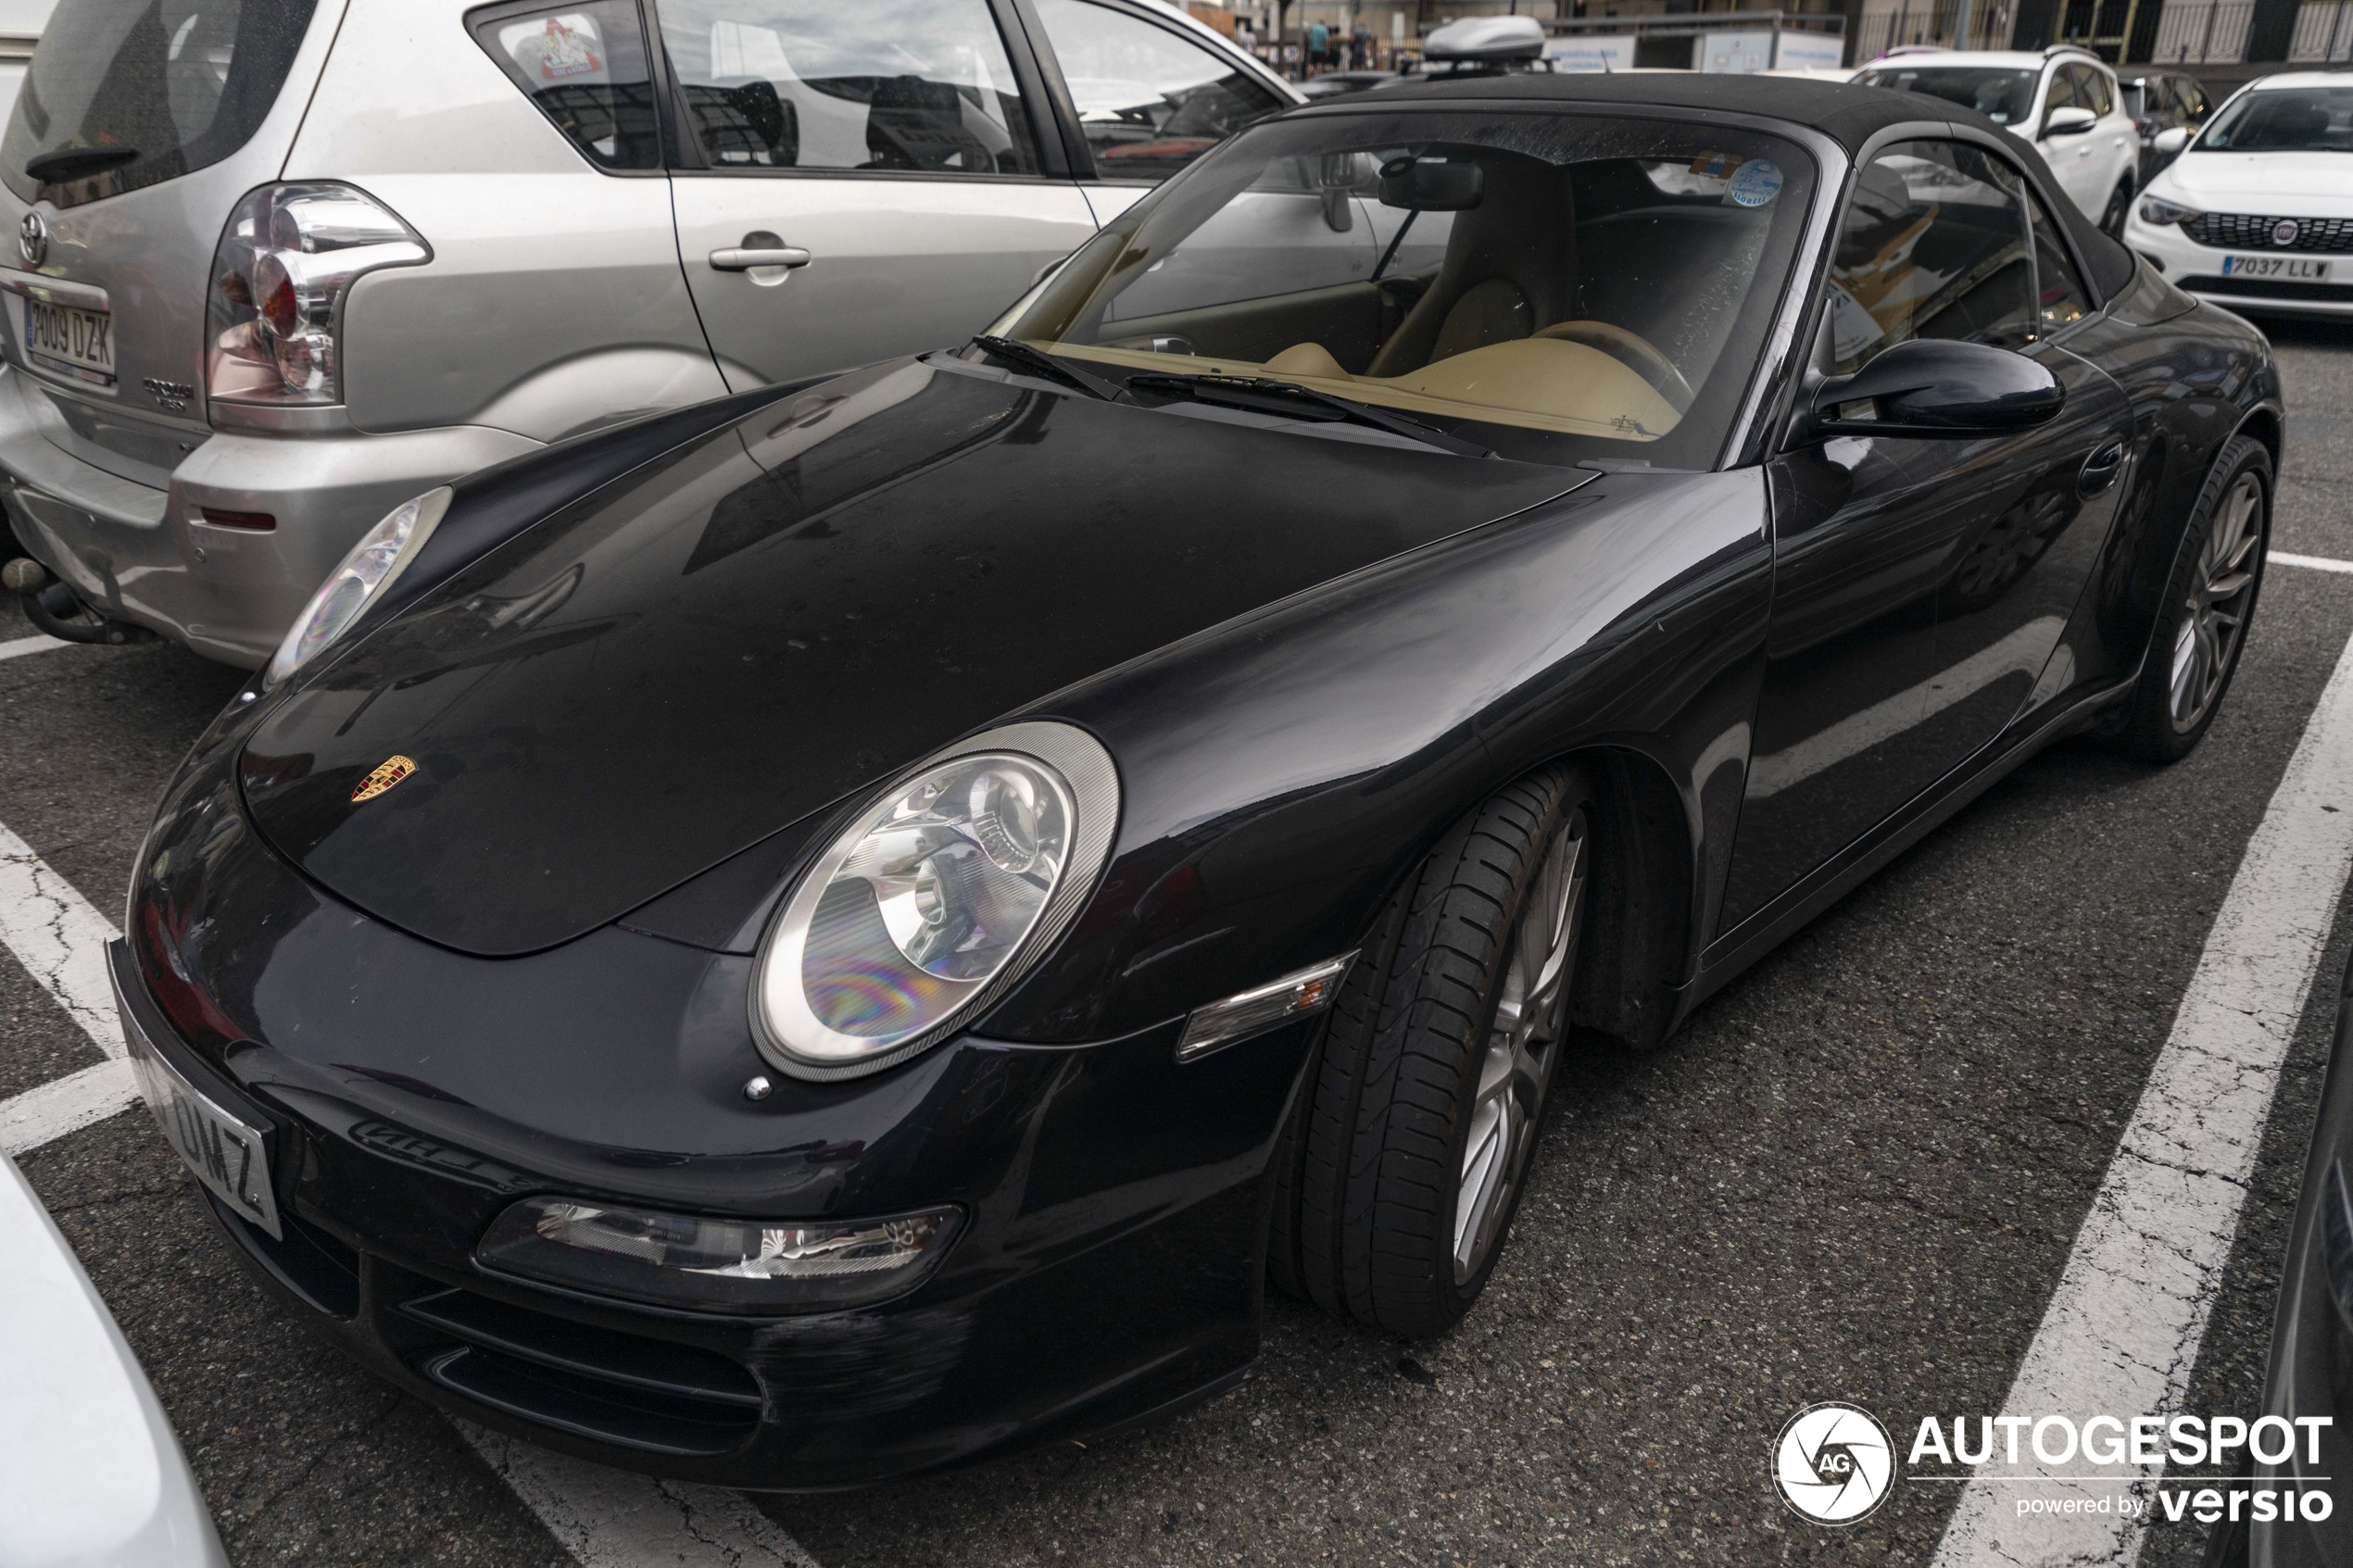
x: 2064, y: 100
x: 1815, y: 73
x: 279, y: 268
x: 2257, y: 211
x: 91, y: 1472
x: 2160, y: 101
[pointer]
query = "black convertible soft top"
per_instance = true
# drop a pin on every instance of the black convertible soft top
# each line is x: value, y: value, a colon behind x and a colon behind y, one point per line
x: 1848, y: 115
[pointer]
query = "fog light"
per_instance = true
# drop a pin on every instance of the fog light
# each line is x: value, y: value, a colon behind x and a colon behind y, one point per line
x: 727, y: 1265
x: 1253, y: 1011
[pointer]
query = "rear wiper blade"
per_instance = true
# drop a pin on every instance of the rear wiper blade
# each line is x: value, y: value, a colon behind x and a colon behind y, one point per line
x: 1267, y: 395
x: 76, y: 163
x: 1045, y: 364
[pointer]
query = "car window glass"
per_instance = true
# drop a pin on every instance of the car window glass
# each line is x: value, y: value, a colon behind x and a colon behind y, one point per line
x: 172, y: 85
x: 2093, y: 91
x: 1572, y: 284
x: 584, y: 66
x: 2001, y: 93
x: 2062, y: 95
x: 918, y: 86
x: 2063, y: 298
x: 1148, y: 101
x: 2284, y: 119
x: 1933, y: 244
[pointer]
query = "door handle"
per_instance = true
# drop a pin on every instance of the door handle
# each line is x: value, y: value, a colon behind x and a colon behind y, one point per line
x: 2100, y: 470
x: 739, y: 258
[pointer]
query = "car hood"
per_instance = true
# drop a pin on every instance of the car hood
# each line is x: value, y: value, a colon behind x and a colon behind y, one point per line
x: 2290, y: 184
x: 791, y: 609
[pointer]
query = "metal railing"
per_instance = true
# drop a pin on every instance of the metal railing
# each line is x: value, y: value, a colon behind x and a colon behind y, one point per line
x: 1931, y: 21
x: 2192, y: 34
x: 2323, y: 32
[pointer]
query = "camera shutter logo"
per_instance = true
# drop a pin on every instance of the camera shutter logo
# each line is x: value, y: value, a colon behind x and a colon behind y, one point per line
x: 1834, y: 1463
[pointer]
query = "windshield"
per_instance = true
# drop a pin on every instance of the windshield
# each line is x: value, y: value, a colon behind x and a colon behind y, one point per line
x: 1552, y: 286
x: 2002, y: 93
x: 2284, y: 119
x: 147, y: 90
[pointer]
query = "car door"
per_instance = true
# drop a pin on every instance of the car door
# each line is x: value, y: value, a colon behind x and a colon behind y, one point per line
x: 2115, y: 152
x: 859, y: 181
x: 1873, y: 536
x: 1150, y: 98
x: 2070, y: 154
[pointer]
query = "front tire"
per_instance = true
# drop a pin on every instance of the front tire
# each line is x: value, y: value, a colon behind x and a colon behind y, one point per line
x: 2209, y: 600
x: 1412, y: 1152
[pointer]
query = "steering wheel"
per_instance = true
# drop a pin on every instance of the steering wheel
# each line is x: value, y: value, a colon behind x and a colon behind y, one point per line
x: 1632, y: 352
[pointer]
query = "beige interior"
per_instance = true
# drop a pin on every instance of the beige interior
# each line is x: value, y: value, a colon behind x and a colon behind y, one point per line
x: 1543, y: 382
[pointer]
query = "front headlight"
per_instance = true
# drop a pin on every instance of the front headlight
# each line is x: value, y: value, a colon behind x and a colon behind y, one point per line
x: 2157, y: 210
x: 933, y: 900
x: 380, y: 557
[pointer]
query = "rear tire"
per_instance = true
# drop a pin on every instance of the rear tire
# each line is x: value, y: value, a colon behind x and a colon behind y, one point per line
x: 2120, y: 204
x: 2209, y: 600
x: 1411, y: 1149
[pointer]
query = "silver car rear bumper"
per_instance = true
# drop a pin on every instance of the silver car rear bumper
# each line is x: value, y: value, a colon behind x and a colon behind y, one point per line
x: 147, y: 556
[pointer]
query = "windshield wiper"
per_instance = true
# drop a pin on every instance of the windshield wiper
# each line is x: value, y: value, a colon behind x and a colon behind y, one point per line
x: 76, y: 163
x: 1263, y: 395
x: 1045, y: 364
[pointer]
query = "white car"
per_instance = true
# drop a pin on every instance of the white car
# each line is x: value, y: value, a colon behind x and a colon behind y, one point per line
x: 2064, y: 100
x: 2257, y: 211
x: 90, y: 1471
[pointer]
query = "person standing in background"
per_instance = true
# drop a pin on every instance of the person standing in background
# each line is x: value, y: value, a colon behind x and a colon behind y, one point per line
x: 1319, y: 45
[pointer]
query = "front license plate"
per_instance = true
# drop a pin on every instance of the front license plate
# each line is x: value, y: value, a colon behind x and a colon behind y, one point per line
x: 65, y: 338
x: 227, y: 1155
x: 2304, y: 268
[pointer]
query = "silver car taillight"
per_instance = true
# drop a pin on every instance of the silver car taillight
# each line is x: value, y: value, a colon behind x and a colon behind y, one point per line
x: 274, y: 325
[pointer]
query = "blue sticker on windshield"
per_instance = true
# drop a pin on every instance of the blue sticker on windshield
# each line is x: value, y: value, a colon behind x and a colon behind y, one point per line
x: 1755, y: 182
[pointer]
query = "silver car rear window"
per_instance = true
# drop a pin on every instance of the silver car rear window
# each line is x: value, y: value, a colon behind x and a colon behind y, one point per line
x: 144, y: 91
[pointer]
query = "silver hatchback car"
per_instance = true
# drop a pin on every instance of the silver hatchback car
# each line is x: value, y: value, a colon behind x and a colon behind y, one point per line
x: 283, y: 264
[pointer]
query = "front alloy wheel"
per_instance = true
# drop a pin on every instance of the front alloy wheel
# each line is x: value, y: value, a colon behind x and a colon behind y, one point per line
x: 1396, y: 1187
x: 2221, y: 590
x: 2208, y: 602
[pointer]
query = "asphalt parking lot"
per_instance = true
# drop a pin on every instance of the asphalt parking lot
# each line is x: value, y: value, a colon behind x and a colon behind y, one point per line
x: 1857, y: 1176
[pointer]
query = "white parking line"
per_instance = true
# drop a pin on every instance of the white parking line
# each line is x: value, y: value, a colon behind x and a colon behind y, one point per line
x: 2310, y: 563
x: 2121, y: 1336
x: 22, y: 646
x: 604, y: 1518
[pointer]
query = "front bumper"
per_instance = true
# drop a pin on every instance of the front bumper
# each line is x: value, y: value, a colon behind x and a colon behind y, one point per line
x: 143, y: 554
x: 1115, y: 1203
x: 2198, y: 269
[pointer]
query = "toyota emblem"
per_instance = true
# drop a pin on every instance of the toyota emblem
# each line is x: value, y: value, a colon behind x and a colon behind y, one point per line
x: 33, y: 238
x: 2283, y: 232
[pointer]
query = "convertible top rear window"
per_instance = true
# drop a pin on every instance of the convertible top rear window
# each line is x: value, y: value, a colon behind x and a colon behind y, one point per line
x: 1559, y: 286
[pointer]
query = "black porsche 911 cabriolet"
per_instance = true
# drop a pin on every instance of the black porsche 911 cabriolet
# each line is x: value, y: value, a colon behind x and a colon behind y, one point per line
x: 852, y: 928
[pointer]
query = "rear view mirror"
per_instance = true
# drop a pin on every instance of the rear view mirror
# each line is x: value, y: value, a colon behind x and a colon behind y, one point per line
x: 2070, y: 121
x: 2172, y: 141
x: 1431, y: 184
x: 1939, y: 387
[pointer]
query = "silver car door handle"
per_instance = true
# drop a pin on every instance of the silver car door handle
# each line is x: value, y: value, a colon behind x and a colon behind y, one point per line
x: 736, y: 259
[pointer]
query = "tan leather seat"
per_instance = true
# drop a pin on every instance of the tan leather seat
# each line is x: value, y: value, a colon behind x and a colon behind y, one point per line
x: 1511, y: 263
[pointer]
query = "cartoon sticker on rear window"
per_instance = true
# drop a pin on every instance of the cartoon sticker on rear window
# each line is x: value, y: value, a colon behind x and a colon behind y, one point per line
x: 562, y: 47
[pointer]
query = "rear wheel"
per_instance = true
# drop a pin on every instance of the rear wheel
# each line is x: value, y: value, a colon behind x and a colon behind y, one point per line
x: 1399, y: 1183
x: 2209, y: 599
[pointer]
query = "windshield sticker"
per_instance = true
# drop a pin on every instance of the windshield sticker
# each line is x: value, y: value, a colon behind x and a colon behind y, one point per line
x: 1755, y: 182
x: 1716, y: 164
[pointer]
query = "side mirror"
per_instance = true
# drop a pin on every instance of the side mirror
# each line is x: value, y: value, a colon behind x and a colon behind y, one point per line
x: 2170, y: 141
x: 2068, y: 121
x: 1938, y: 387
